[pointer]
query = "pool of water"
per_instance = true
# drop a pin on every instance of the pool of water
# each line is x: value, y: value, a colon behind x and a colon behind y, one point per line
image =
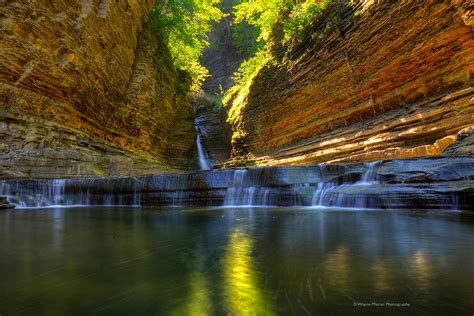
x: 132, y: 261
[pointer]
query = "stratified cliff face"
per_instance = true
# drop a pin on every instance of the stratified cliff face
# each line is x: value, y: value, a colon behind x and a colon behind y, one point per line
x: 391, y: 79
x: 86, y: 89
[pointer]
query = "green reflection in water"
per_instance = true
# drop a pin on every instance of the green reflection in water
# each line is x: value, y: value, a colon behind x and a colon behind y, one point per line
x: 420, y: 270
x: 338, y: 269
x: 198, y: 302
x: 384, y: 277
x: 242, y: 293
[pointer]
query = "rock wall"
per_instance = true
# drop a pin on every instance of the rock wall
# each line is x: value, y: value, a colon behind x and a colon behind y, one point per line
x: 390, y: 79
x: 86, y: 88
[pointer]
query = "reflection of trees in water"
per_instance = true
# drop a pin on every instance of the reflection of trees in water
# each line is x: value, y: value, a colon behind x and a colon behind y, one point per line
x: 337, y: 269
x: 421, y: 271
x: 242, y: 293
x: 198, y: 301
x: 384, y: 278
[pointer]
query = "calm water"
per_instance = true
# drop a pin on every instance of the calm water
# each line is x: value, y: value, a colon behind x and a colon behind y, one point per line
x: 232, y: 261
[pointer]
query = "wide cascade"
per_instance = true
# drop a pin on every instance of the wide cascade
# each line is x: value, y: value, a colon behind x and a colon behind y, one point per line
x: 442, y: 183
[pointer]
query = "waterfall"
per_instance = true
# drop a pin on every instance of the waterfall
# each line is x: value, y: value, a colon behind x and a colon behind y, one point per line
x: 236, y: 194
x: 240, y: 194
x: 37, y: 193
x: 204, y: 162
x: 370, y: 175
x: 339, y: 195
x: 246, y: 190
x: 60, y: 192
x: 363, y: 186
x: 321, y: 192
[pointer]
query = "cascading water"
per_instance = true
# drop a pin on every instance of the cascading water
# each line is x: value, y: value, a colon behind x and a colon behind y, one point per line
x: 353, y: 186
x: 34, y: 193
x: 369, y: 177
x: 204, y: 162
x: 58, y: 191
x: 340, y: 195
x: 236, y: 193
x: 242, y: 192
x: 49, y: 193
x: 321, y: 192
x: 245, y: 190
x: 243, y: 187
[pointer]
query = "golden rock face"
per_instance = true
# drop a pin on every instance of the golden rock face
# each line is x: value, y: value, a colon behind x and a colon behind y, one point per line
x: 392, y: 81
x: 85, y: 90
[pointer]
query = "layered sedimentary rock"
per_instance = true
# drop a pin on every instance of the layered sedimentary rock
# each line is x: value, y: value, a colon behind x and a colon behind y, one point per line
x: 371, y: 80
x: 442, y: 183
x: 86, y: 89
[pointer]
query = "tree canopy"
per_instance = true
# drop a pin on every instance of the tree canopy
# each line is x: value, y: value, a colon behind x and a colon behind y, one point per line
x: 184, y: 25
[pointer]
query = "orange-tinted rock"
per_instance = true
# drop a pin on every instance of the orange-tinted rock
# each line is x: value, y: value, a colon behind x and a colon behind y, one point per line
x: 85, y: 89
x: 394, y: 81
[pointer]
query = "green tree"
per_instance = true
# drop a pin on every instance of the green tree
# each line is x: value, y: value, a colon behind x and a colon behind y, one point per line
x: 183, y: 26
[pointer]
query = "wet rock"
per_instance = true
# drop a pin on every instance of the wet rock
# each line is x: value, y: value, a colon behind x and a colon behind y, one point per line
x: 216, y: 132
x: 4, y: 204
x: 464, y: 144
x: 442, y: 183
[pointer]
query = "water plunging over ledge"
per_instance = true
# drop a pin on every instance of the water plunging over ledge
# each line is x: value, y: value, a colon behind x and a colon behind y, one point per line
x: 204, y: 163
x: 442, y: 183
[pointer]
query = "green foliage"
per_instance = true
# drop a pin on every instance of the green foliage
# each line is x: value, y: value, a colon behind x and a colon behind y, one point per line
x: 301, y: 16
x: 244, y: 37
x: 262, y: 17
x: 262, y: 14
x: 256, y: 21
x: 243, y: 78
x: 183, y: 26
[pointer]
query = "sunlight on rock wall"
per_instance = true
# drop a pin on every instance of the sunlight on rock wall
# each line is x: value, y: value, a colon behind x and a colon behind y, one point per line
x: 390, y: 79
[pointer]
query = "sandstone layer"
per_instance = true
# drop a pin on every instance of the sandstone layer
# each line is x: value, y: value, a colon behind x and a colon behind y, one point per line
x: 372, y: 80
x: 86, y: 88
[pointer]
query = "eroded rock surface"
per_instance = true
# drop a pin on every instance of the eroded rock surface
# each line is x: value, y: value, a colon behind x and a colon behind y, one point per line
x: 391, y: 79
x: 85, y: 89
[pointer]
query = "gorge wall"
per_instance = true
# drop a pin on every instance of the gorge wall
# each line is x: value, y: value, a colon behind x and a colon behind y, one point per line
x: 86, y: 88
x: 371, y: 80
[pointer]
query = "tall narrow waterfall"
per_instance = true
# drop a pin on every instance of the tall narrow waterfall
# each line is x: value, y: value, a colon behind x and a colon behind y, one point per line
x: 204, y: 162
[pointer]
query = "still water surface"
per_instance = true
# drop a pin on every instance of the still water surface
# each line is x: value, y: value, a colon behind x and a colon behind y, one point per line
x: 112, y: 261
